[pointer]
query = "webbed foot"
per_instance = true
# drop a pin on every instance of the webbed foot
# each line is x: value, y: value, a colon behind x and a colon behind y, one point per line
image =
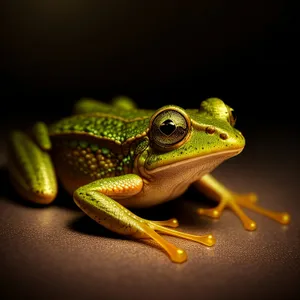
x: 235, y: 202
x: 152, y: 228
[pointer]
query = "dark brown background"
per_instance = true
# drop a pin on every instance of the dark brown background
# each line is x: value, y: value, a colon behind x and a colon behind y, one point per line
x: 54, y: 52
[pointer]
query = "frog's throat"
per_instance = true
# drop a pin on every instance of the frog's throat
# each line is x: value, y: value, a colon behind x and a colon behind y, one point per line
x: 196, y: 166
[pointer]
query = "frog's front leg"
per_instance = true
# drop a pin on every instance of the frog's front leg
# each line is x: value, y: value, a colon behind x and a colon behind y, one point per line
x: 96, y: 200
x: 30, y: 166
x: 215, y: 190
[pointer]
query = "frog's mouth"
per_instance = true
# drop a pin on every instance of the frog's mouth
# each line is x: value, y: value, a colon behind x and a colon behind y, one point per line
x: 195, y: 166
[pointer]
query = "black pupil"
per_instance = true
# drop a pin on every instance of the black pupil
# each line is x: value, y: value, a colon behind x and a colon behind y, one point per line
x: 167, y: 127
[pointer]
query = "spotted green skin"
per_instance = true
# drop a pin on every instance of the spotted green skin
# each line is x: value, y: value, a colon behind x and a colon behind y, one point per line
x: 116, y: 127
x: 104, y: 141
x: 114, y: 156
x: 97, y: 145
x: 79, y: 149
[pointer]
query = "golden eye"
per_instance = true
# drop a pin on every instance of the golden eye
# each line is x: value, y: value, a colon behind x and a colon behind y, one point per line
x: 169, y: 128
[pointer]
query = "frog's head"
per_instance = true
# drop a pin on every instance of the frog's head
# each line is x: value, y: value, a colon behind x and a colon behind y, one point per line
x: 192, y: 142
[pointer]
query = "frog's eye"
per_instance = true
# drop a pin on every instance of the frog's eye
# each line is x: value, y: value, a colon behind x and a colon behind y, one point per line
x: 169, y: 128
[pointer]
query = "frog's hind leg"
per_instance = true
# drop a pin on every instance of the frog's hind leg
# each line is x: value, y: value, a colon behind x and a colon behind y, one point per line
x: 88, y: 105
x: 30, y: 167
x: 123, y: 102
x: 95, y: 199
x: 212, y: 188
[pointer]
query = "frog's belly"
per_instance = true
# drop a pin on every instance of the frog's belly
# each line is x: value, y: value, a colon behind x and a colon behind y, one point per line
x: 167, y: 183
x: 154, y: 195
x: 171, y: 181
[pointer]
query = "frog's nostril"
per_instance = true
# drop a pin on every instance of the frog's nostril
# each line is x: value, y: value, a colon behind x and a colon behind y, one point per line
x: 223, y: 136
x: 210, y: 130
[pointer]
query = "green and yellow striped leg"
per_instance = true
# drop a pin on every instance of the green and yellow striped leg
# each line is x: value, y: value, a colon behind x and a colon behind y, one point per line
x: 226, y: 198
x: 96, y: 200
x: 30, y: 166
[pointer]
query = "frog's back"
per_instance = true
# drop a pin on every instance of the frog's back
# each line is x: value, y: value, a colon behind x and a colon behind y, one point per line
x: 102, y: 126
x: 98, y: 144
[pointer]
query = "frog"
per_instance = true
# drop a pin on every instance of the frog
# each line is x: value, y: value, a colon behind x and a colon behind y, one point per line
x: 113, y: 157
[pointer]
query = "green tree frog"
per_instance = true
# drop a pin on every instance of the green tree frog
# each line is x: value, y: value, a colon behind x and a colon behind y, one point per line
x: 112, y: 157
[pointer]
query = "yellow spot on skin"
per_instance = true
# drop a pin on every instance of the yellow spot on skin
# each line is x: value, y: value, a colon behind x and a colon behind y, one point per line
x: 100, y: 157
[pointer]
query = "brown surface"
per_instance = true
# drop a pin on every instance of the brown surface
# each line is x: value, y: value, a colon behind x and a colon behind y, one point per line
x: 243, y: 52
x: 57, y: 253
